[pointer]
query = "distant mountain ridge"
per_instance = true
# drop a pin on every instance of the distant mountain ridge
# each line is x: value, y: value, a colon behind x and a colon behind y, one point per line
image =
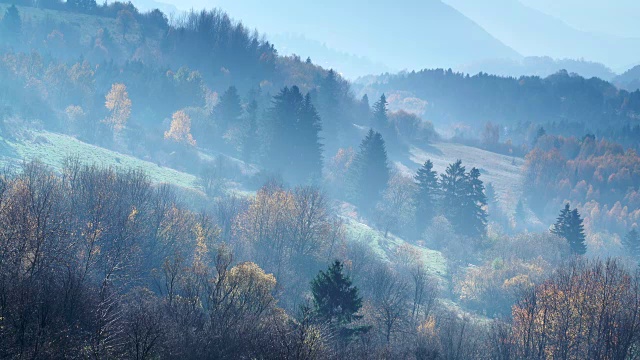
x: 534, y: 33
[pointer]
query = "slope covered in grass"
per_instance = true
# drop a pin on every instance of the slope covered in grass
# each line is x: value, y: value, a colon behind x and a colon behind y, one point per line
x: 52, y: 149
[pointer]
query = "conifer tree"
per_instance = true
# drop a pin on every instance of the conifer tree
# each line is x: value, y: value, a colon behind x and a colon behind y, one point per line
x: 453, y: 188
x: 293, y: 142
x: 250, y: 140
x: 569, y: 226
x: 228, y: 112
x: 369, y: 173
x: 631, y: 243
x: 330, y: 105
x: 475, y: 213
x: 335, y: 299
x: 520, y: 214
x: 380, y: 120
x: 309, y: 148
x: 426, y: 196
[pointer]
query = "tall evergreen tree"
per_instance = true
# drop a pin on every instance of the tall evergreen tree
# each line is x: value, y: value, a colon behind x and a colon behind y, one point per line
x: 560, y: 228
x: 250, y: 139
x: 335, y: 299
x: 228, y: 112
x: 569, y: 226
x: 453, y: 189
x: 380, y: 119
x: 293, y: 142
x: 330, y: 105
x: 309, y: 148
x: 475, y: 203
x: 631, y: 243
x: 426, y: 196
x: 369, y: 173
x: 463, y: 200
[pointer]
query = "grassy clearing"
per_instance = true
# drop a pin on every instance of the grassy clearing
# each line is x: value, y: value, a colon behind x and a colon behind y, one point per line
x: 385, y: 248
x: 52, y: 149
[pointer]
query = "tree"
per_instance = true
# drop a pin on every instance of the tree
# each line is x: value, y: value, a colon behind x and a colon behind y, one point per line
x: 380, y: 120
x: 228, y: 112
x: 569, y: 226
x: 426, y: 198
x: 631, y: 243
x: 11, y: 24
x: 180, y: 131
x: 476, y: 202
x: 307, y: 140
x: 119, y: 104
x: 369, y: 173
x: 292, y: 136
x: 520, y: 214
x: 250, y: 140
x: 335, y: 299
x: 453, y: 188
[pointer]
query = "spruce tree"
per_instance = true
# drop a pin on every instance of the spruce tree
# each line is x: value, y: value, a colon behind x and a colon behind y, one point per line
x: 335, y: 299
x: 475, y: 213
x: 308, y: 147
x: 369, y: 174
x: 453, y: 188
x: 380, y: 120
x: 250, y: 140
x: 631, y: 243
x: 292, y: 143
x: 569, y: 226
x: 330, y: 108
x: 561, y: 227
x: 229, y: 111
x: 520, y: 215
x: 426, y: 196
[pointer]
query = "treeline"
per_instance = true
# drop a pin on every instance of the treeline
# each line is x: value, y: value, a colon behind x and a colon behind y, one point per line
x: 565, y: 104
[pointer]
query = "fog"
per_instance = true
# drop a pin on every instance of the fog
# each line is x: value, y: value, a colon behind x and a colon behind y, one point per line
x: 182, y: 186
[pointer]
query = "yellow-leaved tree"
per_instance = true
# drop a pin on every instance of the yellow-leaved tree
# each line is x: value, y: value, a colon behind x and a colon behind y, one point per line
x: 180, y: 130
x: 119, y: 104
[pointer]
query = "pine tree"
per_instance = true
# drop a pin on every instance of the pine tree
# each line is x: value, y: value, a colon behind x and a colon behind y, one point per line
x: 229, y: 111
x: 250, y: 140
x: 335, y: 299
x: 369, y: 173
x: 475, y: 203
x: 520, y: 215
x: 292, y: 139
x: 380, y: 120
x: 426, y: 196
x: 330, y: 105
x: 309, y: 148
x: 631, y: 243
x: 576, y: 233
x: 569, y: 226
x: 561, y: 227
x: 453, y: 188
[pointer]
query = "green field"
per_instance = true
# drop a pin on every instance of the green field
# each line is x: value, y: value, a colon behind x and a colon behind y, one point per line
x: 52, y: 149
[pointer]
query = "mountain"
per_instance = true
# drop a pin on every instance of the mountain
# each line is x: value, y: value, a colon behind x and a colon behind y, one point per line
x: 534, y: 33
x: 432, y: 34
x: 619, y: 17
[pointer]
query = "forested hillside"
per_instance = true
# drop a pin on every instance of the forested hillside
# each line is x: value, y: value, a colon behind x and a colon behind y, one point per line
x: 178, y: 190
